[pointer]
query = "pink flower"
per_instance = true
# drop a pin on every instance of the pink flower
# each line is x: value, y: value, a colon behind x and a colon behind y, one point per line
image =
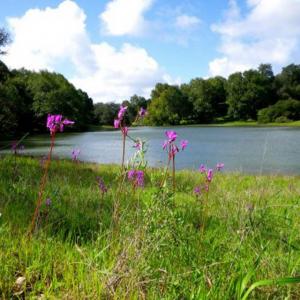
x: 165, y: 144
x: 174, y: 150
x: 56, y: 122
x: 117, y: 123
x: 142, y: 112
x: 101, y: 185
x: 219, y: 166
x: 209, y: 175
x: 171, y: 135
x: 183, y: 144
x: 137, y: 145
x: 137, y: 177
x: 202, y: 168
x: 122, y: 112
x: 197, y: 190
x: 125, y: 130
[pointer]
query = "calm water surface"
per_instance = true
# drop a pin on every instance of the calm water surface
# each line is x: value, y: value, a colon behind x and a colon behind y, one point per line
x: 249, y: 150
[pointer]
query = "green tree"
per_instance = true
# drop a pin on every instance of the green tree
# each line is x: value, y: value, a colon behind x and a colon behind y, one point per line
x: 288, y: 82
x: 4, y: 39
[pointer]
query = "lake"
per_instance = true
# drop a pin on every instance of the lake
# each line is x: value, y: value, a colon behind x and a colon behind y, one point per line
x: 244, y: 149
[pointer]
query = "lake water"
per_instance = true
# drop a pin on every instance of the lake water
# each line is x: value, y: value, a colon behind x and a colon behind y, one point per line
x: 244, y: 149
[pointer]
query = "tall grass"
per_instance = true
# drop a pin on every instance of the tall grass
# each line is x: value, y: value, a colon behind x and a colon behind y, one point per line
x: 251, y: 235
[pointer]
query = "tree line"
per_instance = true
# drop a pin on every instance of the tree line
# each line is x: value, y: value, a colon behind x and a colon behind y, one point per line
x: 26, y: 97
x: 256, y: 95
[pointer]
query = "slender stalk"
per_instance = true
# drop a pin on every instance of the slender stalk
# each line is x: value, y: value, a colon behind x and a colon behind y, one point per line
x: 204, y: 209
x: 42, y: 187
x: 123, y: 150
x: 173, y: 172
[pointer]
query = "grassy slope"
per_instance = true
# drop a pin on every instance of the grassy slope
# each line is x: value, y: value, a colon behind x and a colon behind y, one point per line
x: 157, y: 251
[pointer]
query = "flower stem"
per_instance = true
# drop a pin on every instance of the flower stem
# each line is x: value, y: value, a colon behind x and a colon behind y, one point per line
x: 42, y: 187
x: 173, y: 173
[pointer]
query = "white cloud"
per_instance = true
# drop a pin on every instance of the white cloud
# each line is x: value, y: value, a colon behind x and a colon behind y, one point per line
x: 268, y: 33
x: 120, y: 74
x: 56, y: 39
x: 125, y: 17
x: 186, y: 21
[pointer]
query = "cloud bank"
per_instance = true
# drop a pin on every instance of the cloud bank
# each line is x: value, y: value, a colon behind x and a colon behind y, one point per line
x: 54, y: 38
x: 268, y: 33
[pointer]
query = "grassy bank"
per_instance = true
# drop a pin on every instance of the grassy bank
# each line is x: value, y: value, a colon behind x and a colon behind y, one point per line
x: 159, y: 248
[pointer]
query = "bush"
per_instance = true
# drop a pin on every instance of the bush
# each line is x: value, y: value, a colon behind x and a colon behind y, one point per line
x: 282, y: 111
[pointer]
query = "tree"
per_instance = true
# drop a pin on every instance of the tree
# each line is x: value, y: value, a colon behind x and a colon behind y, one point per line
x: 250, y: 91
x: 168, y: 105
x: 208, y: 98
x: 288, y: 82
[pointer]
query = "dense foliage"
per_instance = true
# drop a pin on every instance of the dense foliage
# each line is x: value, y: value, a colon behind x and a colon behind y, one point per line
x: 26, y: 97
x: 240, y: 97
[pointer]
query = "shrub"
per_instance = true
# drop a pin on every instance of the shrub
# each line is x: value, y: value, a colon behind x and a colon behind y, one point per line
x: 282, y: 111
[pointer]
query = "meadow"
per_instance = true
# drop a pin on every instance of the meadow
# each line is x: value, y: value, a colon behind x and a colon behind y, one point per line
x: 162, y: 245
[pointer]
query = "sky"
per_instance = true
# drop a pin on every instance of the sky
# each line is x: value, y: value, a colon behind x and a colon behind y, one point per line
x: 113, y: 49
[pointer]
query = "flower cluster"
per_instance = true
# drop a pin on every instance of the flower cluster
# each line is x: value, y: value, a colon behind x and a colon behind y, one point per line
x: 142, y: 112
x: 170, y: 145
x: 75, y: 154
x: 101, y: 185
x: 118, y: 121
x: 209, y: 173
x: 56, y: 122
x: 137, y: 177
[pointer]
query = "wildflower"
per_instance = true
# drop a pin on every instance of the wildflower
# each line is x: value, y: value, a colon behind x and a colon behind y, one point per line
x: 125, y: 130
x: 101, y: 185
x: 209, y: 175
x: 75, y: 154
x: 197, y: 190
x: 174, y: 150
x: 14, y: 147
x: 122, y: 112
x: 56, y: 122
x: 165, y: 144
x: 137, y: 177
x: 202, y: 168
x: 48, y: 202
x: 137, y: 145
x: 183, y: 144
x: 117, y: 123
x: 219, y: 166
x: 142, y: 112
x: 171, y: 135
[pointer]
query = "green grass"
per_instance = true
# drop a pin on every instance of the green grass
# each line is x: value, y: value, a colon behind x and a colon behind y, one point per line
x: 157, y: 250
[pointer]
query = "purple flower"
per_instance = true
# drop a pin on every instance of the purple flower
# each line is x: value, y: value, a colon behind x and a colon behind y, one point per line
x: 56, y: 122
x: 140, y: 178
x: 142, y: 112
x: 137, y: 177
x: 125, y: 130
x: 131, y: 174
x: 137, y: 145
x: 183, y: 144
x: 209, y: 175
x: 202, y: 168
x: 165, y: 144
x: 174, y: 150
x: 122, y: 112
x: 219, y: 166
x: 197, y: 190
x: 48, y: 202
x: 117, y: 123
x: 171, y: 135
x: 101, y: 185
x: 14, y: 147
x: 75, y: 154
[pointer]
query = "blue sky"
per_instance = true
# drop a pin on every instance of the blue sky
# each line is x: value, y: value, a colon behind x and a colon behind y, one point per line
x: 115, y: 48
